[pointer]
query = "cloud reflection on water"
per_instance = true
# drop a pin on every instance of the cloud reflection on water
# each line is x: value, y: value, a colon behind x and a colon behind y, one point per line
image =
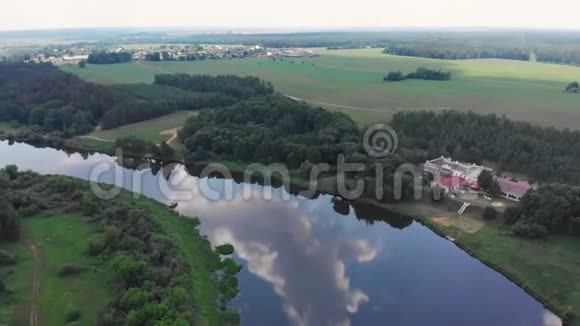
x: 282, y: 246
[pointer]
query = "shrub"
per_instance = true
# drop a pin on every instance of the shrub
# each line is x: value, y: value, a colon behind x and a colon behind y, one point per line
x: 70, y: 269
x: 489, y: 213
x: 30, y: 210
x: 529, y: 230
x: 134, y: 298
x: 511, y: 215
x: 132, y: 271
x: 95, y: 247
x: 72, y: 313
x: 575, y: 226
x: 7, y: 258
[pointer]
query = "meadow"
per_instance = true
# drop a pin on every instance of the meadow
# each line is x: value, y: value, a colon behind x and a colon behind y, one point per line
x: 60, y: 239
x: 149, y: 130
x: 351, y: 81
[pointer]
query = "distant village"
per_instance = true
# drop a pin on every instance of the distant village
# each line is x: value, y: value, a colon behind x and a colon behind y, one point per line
x: 77, y: 53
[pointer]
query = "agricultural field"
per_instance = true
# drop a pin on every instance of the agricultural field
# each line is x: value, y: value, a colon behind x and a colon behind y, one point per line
x: 351, y: 81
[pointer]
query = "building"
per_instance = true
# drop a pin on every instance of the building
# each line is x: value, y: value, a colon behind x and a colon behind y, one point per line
x: 446, y: 167
x: 450, y: 183
x: 512, y: 189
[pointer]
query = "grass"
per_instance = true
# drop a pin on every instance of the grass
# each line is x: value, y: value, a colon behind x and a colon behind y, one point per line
x: 13, y: 307
x: 149, y: 130
x: 61, y: 239
x: 351, y: 81
x: 549, y: 268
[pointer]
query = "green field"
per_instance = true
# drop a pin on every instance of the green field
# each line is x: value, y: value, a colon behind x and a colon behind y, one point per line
x: 351, y: 81
x: 149, y: 130
x: 61, y: 239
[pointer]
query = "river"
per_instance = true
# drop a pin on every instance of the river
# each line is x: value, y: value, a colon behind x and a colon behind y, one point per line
x: 312, y: 262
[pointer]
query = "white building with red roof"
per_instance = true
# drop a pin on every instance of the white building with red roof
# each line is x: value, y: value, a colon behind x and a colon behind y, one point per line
x: 513, y: 189
x: 450, y: 183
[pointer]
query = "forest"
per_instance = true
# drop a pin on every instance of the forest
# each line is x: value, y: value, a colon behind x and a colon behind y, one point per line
x: 276, y: 129
x: 42, y: 95
x: 552, y: 208
x: 545, y: 155
x: 152, y: 279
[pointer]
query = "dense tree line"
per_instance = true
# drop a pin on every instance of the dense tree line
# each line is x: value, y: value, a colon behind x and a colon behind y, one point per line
x: 421, y: 73
x: 42, y: 95
x: 131, y: 110
x: 544, y: 154
x: 552, y: 208
x: 276, y: 129
x: 438, y: 51
x: 152, y: 278
x: 238, y: 87
x: 103, y: 57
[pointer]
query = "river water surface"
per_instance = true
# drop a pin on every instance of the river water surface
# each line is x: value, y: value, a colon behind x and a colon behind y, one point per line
x: 309, y: 262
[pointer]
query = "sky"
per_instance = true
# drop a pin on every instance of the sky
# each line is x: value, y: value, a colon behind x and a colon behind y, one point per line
x: 323, y: 14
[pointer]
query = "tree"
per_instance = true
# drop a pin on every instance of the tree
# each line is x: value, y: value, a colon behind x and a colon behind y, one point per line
x: 82, y: 64
x: 494, y: 189
x: 489, y: 213
x: 131, y: 271
x: 511, y: 215
x: 394, y: 76
x: 485, y: 179
x: 573, y: 87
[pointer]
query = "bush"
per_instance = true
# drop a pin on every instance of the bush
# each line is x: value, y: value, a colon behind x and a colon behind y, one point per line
x: 7, y: 258
x: 394, y: 76
x: 72, y: 313
x: 511, y: 215
x: 529, y: 230
x: 95, y: 247
x: 70, y: 269
x: 225, y: 249
x: 489, y: 213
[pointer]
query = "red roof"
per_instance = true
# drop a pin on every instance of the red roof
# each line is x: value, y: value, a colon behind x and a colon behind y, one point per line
x: 514, y: 187
x: 450, y: 182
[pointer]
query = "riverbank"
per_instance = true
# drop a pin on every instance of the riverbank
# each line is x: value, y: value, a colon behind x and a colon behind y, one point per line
x: 74, y: 245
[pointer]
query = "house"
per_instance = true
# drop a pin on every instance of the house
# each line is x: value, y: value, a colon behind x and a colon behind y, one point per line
x: 450, y: 183
x: 513, y: 189
x: 446, y: 167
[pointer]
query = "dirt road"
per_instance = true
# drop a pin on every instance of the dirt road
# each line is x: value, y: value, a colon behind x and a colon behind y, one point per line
x: 36, y: 281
